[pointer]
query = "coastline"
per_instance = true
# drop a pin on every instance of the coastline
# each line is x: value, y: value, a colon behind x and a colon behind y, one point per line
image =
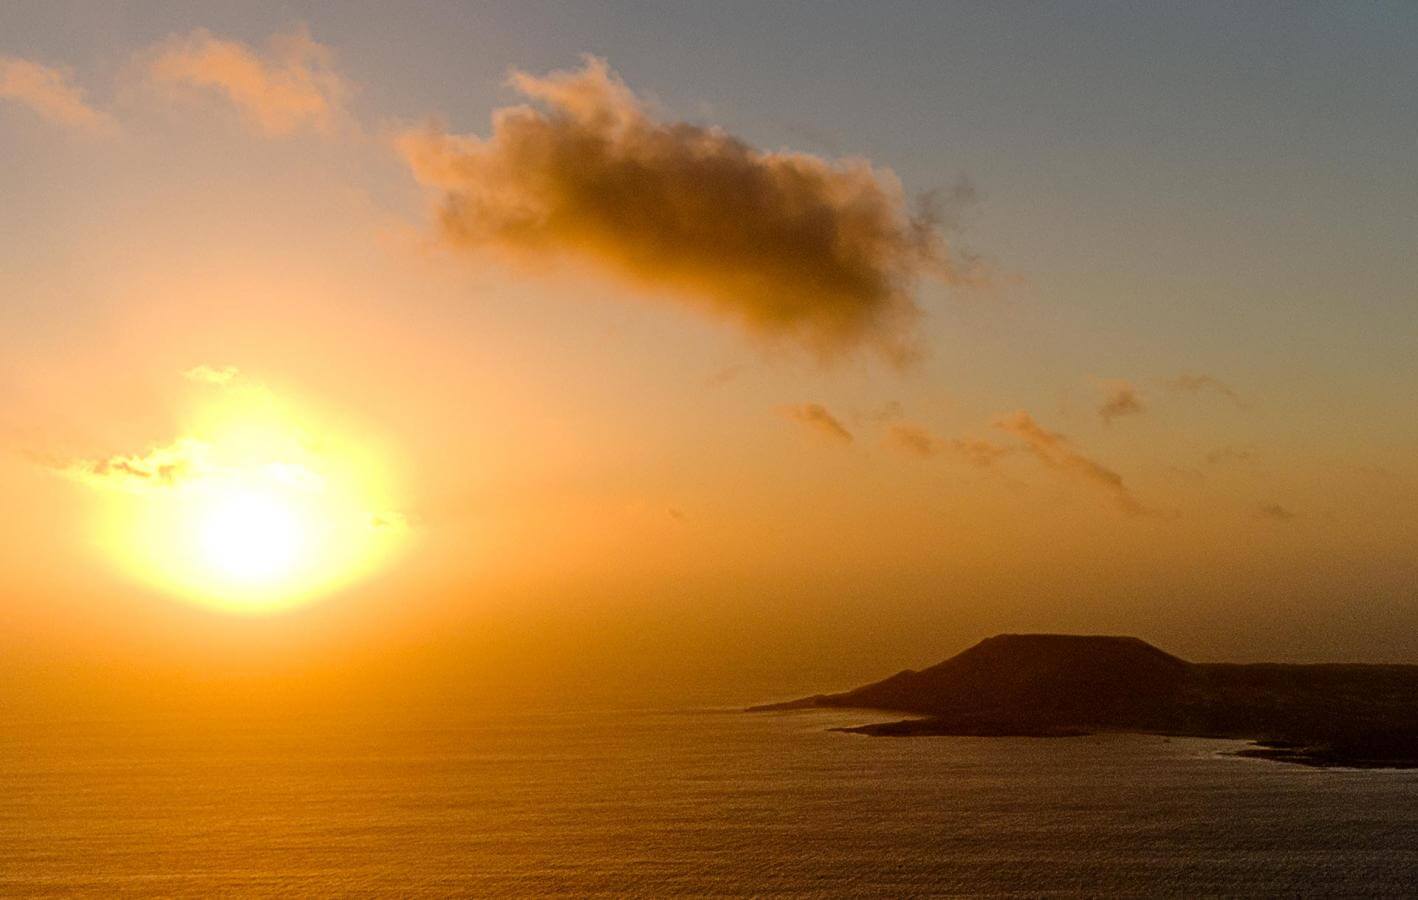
x: 1315, y: 754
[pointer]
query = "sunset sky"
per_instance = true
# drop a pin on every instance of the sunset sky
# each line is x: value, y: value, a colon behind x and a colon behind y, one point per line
x: 735, y: 348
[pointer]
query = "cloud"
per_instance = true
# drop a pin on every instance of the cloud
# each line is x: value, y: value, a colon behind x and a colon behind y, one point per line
x: 1200, y: 384
x: 215, y: 375
x: 979, y: 452
x: 185, y: 461
x: 791, y: 246
x: 917, y: 441
x: 290, y: 87
x: 1056, y: 451
x: 1122, y: 400
x: 161, y: 467
x: 1275, y: 512
x: 188, y: 461
x: 913, y: 439
x: 816, y: 417
x: 49, y: 92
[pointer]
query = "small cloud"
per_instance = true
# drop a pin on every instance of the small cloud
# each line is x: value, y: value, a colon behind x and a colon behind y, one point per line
x: 290, y: 87
x: 1201, y: 384
x: 1275, y: 512
x: 217, y: 375
x: 913, y: 439
x: 790, y: 246
x: 677, y: 514
x: 816, y: 417
x: 51, y: 94
x: 1056, y: 451
x: 979, y: 452
x: 1122, y: 400
x: 917, y: 441
x: 161, y: 467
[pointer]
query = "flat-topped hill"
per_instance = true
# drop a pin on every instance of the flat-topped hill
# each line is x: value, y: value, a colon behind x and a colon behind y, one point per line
x: 1053, y: 684
x: 1041, y: 675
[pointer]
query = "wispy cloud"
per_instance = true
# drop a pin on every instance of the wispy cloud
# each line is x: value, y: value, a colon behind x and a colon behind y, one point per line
x: 816, y: 417
x: 1122, y: 399
x: 915, y: 440
x: 186, y: 461
x: 289, y: 87
x: 51, y: 93
x: 1057, y: 452
x: 979, y: 452
x: 160, y: 467
x: 792, y: 246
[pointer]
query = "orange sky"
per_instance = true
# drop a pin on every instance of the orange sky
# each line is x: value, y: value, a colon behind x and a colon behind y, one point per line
x: 658, y: 398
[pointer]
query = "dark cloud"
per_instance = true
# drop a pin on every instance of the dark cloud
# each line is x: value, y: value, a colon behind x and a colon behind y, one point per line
x: 816, y: 417
x: 1057, y: 452
x: 793, y: 246
x: 1122, y: 400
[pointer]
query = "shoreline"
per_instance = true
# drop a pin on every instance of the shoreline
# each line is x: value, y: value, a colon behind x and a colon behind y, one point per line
x: 1314, y: 754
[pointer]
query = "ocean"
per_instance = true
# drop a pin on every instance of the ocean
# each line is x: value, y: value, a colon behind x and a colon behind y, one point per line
x: 659, y: 803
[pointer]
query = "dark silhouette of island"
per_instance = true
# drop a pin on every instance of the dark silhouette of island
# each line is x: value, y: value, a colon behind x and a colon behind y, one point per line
x: 1056, y: 685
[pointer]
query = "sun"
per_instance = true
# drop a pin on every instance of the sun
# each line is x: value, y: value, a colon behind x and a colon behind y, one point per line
x: 251, y: 537
x: 257, y: 508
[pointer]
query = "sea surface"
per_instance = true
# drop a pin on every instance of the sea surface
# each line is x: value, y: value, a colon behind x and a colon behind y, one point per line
x: 659, y: 803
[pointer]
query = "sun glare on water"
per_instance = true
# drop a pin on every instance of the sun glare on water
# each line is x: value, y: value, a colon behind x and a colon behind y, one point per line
x: 254, y: 510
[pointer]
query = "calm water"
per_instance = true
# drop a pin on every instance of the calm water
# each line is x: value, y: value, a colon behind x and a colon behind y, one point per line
x: 658, y: 803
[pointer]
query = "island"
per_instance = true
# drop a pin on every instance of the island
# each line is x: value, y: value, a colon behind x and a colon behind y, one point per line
x: 1059, y: 685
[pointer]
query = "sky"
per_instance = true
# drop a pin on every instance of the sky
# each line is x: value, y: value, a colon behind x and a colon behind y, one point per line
x: 709, y: 351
